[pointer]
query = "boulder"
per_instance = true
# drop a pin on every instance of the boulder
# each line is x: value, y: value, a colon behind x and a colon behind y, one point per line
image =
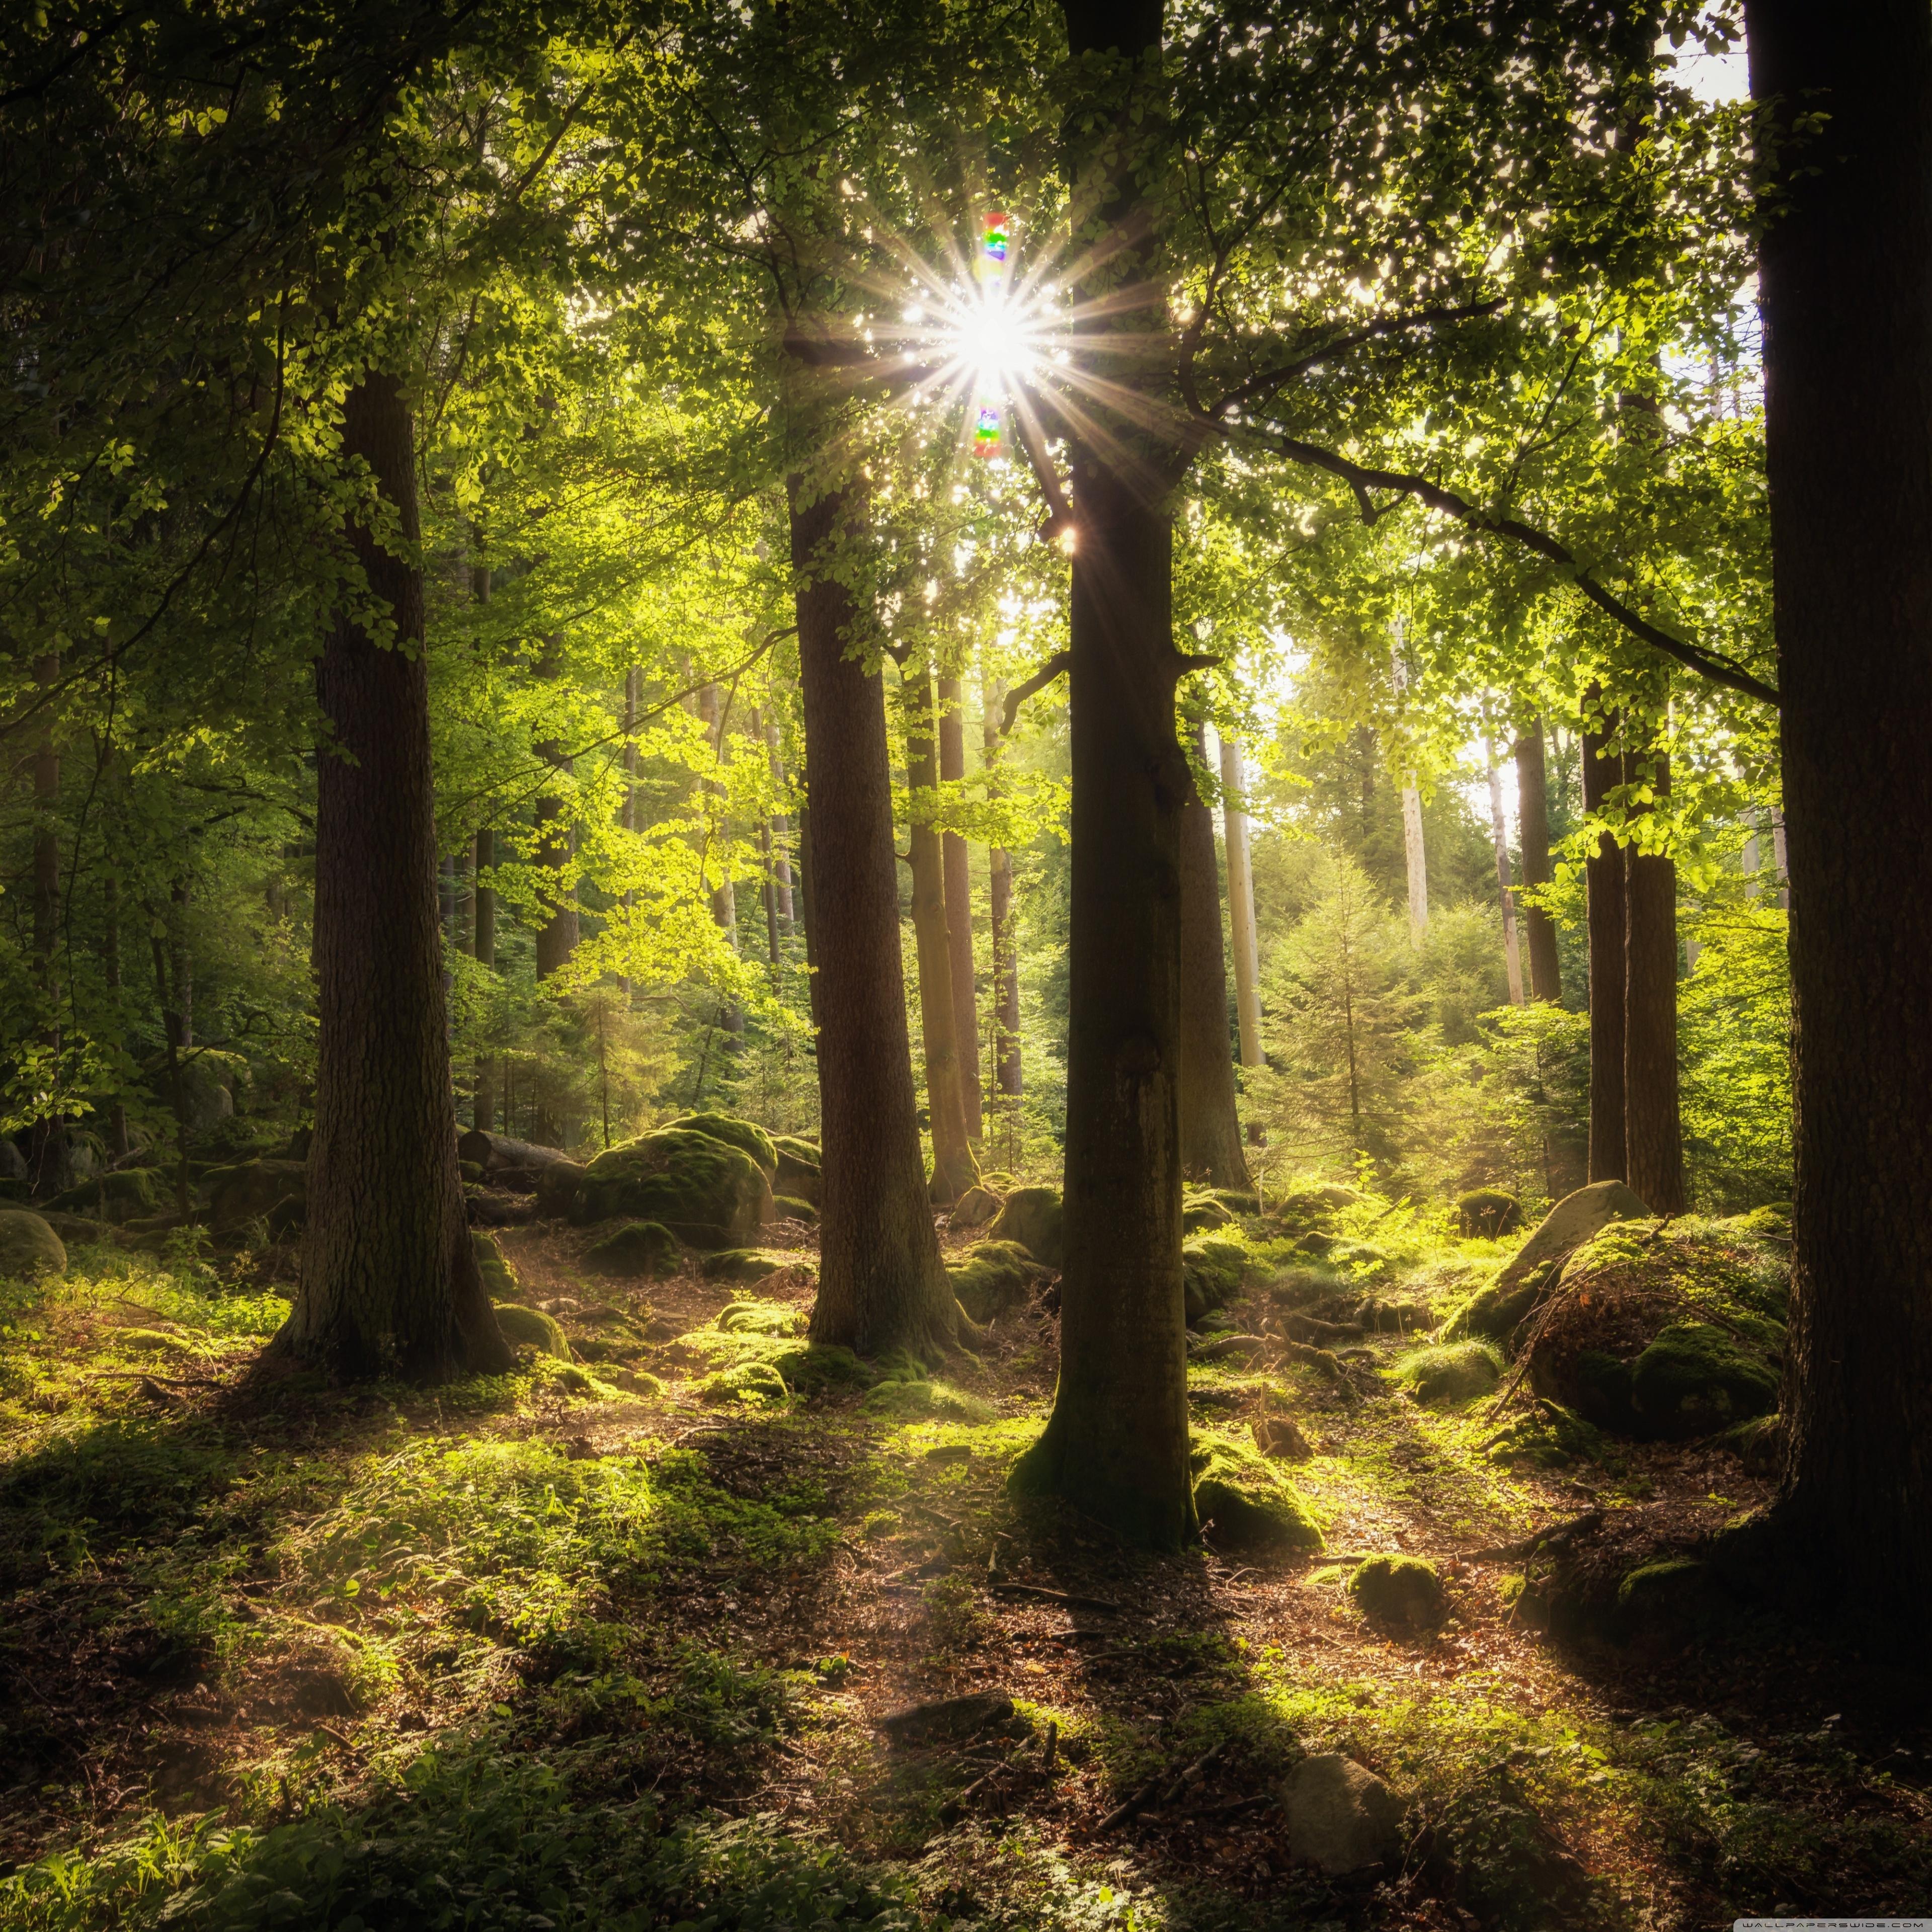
x: 13, y: 1162
x: 555, y: 1187
x: 77, y: 1231
x: 1249, y: 1504
x: 995, y: 1276
x: 798, y: 1169
x: 639, y: 1248
x: 747, y: 1136
x: 531, y: 1328
x: 27, y: 1246
x: 707, y: 1193
x: 744, y: 1264
x: 118, y: 1194
x: 499, y: 1278
x: 276, y: 1191
x: 1341, y: 1816
x: 1210, y: 1275
x: 1488, y: 1214
x: 1033, y: 1217
x: 1450, y: 1372
x: 1204, y: 1213
x: 785, y: 1208
x: 1399, y: 1592
x: 975, y: 1207
x: 1499, y: 1311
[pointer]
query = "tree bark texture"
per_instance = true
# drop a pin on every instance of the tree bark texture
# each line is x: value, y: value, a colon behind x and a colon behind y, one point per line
x: 881, y: 1282
x: 781, y: 829
x: 1603, y: 877
x: 557, y: 938
x: 1210, y: 1123
x: 724, y: 897
x: 50, y: 1164
x: 959, y: 912
x: 954, y: 1169
x: 1846, y: 274
x: 1006, y: 1028
x: 1505, y: 891
x: 483, y: 937
x: 1532, y: 819
x: 1653, y: 1134
x: 1241, y: 904
x: 389, y: 1281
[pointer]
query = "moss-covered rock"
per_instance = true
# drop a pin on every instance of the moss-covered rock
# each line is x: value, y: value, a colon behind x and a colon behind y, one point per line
x: 1320, y: 1202
x: 275, y: 1191
x: 1549, y: 1436
x: 499, y: 1278
x: 927, y: 1395
x: 635, y: 1251
x: 1210, y: 1271
x: 1488, y: 1214
x: 1450, y: 1372
x: 747, y: 1136
x: 1695, y: 1379
x: 1202, y: 1213
x: 1399, y: 1592
x: 759, y: 1318
x: 789, y: 1207
x: 1495, y: 1313
x: 975, y: 1207
x: 27, y: 1246
x: 706, y: 1192
x: 744, y: 1264
x: 1033, y: 1217
x: 531, y: 1328
x: 1250, y: 1503
x: 994, y: 1277
x: 1758, y: 1442
x: 120, y: 1192
x: 798, y: 1175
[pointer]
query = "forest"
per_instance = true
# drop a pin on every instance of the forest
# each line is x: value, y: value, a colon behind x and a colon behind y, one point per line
x: 964, y: 965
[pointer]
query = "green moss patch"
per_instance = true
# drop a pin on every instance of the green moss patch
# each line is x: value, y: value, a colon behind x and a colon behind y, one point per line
x: 638, y: 1249
x: 1399, y: 1592
x: 1249, y: 1504
x: 531, y: 1328
x: 1450, y: 1372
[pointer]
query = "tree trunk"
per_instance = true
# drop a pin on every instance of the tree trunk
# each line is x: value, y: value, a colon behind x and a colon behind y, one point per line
x: 1845, y: 268
x: 808, y: 918
x: 959, y: 913
x: 111, y: 971
x: 50, y: 1166
x: 1653, y: 1137
x: 389, y: 1281
x: 723, y: 899
x: 1532, y: 820
x: 881, y: 1282
x: 1414, y: 851
x: 1604, y: 876
x: 954, y: 1169
x: 781, y: 831
x: 1505, y: 893
x: 483, y: 929
x: 1211, y: 1122
x: 557, y: 936
x: 1241, y: 904
x: 1006, y: 1031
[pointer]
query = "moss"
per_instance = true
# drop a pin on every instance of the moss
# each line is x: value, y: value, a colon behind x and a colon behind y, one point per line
x: 1488, y: 1214
x: 759, y: 1318
x: 1033, y: 1217
x: 1694, y: 1379
x: 1758, y: 1442
x: 790, y: 1207
x: 1550, y: 1436
x: 639, y: 1248
x: 1200, y: 1212
x: 1250, y: 1505
x: 747, y: 1136
x: 531, y: 1328
x: 927, y: 1395
x: 499, y: 1278
x: 27, y: 1246
x: 1211, y: 1270
x: 125, y: 1191
x: 1401, y: 1592
x: 707, y: 1192
x: 1450, y: 1371
x: 993, y: 1279
x: 744, y: 1264
x: 277, y: 1189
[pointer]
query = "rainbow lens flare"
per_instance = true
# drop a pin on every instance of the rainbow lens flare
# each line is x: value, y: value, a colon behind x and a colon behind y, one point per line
x: 986, y: 431
x: 993, y: 247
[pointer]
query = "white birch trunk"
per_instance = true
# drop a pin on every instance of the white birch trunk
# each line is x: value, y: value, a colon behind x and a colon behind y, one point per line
x: 1503, y: 886
x: 1415, y: 854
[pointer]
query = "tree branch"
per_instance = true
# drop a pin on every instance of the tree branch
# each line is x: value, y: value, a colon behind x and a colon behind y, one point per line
x: 1060, y: 662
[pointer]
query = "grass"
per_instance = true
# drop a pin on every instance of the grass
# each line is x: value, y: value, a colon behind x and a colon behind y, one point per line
x: 546, y: 1651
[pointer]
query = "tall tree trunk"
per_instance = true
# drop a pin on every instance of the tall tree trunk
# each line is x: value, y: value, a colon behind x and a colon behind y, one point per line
x: 1005, y: 1029
x: 1505, y: 892
x: 50, y: 1165
x: 1604, y: 875
x: 483, y: 928
x: 557, y: 936
x: 781, y: 832
x: 724, y: 897
x: 1211, y: 1122
x: 807, y: 913
x: 954, y: 1169
x: 768, y: 885
x: 111, y: 971
x: 179, y: 897
x: 1653, y: 1136
x: 1241, y: 904
x: 959, y: 912
x: 1414, y: 851
x: 881, y: 1282
x: 1845, y: 273
x: 389, y: 1280
x: 1532, y: 819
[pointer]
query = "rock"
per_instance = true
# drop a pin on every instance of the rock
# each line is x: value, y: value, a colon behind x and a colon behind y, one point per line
x: 275, y: 1191
x: 785, y: 1208
x: 1205, y: 1213
x: 499, y: 1278
x: 1450, y: 1372
x: 1251, y: 1507
x: 1488, y: 1214
x: 76, y: 1231
x: 1341, y: 1817
x: 1211, y: 1274
x: 1758, y: 1443
x: 759, y: 1318
x: 1695, y: 1379
x: 206, y: 1099
x: 744, y: 1264
x: 1499, y: 1311
x: 1033, y: 1217
x: 555, y: 1187
x: 1672, y: 1598
x: 1320, y: 1203
x: 706, y: 1191
x: 531, y: 1328
x: 1400, y: 1592
x: 13, y: 1162
x: 119, y: 1193
x: 975, y: 1207
x: 948, y: 1720
x: 996, y: 1276
x: 798, y: 1170
x: 486, y: 1207
x: 1280, y: 1436
x: 639, y: 1248
x: 27, y: 1246
x: 747, y: 1136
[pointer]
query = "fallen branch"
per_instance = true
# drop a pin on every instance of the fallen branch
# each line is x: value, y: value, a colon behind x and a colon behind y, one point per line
x: 1542, y: 1539
x: 1121, y: 1813
x: 1060, y: 1596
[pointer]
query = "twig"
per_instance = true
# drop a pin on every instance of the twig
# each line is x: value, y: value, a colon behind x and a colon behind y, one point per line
x: 1122, y: 1812
x: 1527, y: 1545
x: 1059, y: 1597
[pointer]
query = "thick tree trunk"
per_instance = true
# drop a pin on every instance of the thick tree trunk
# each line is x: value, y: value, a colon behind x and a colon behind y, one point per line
x: 389, y: 1281
x: 807, y: 916
x: 1505, y: 891
x: 1604, y: 875
x: 1845, y: 272
x: 1653, y: 1136
x: 1211, y: 1122
x: 556, y: 843
x: 881, y: 1282
x: 724, y: 897
x: 50, y: 1166
x: 1532, y: 819
x: 781, y: 832
x: 483, y: 930
x: 1241, y: 904
x: 954, y: 1169
x: 1005, y: 1029
x: 959, y: 913
x: 111, y: 971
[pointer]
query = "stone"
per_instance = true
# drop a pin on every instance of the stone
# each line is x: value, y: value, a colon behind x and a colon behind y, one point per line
x: 76, y: 1230
x: 799, y: 1174
x: 785, y: 1207
x: 27, y: 1246
x: 747, y: 1136
x: 1341, y: 1816
x: 1211, y: 1274
x: 119, y: 1193
x: 1400, y: 1592
x: 499, y: 1278
x: 1499, y: 1311
x: 274, y: 1191
x: 975, y: 1207
x: 707, y: 1193
x: 1488, y: 1214
x: 639, y: 1248
x: 1450, y: 1371
x: 555, y: 1187
x: 531, y: 1328
x: 1249, y: 1504
x: 743, y: 1265
x: 1033, y: 1217
x: 994, y: 1277
x: 1203, y: 1214
x: 1281, y: 1437
x: 1694, y: 1379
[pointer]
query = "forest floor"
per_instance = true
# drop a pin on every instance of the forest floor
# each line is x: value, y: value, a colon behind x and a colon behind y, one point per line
x: 609, y: 1644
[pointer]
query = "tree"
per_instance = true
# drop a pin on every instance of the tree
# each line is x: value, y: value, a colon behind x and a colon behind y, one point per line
x: 1604, y: 870
x: 1210, y: 1125
x: 1532, y: 807
x: 1846, y: 265
x: 959, y: 912
x: 1653, y: 1132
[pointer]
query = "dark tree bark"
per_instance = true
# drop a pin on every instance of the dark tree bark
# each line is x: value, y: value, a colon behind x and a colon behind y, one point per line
x: 1532, y: 794
x: 1211, y: 1122
x: 50, y: 1166
x: 1000, y: 919
x: 111, y: 971
x: 389, y: 1281
x: 1604, y: 875
x: 724, y: 897
x: 954, y: 1169
x: 959, y: 913
x: 483, y: 929
x: 1846, y: 295
x: 881, y: 1284
x: 557, y: 936
x: 1653, y: 1134
x: 807, y: 919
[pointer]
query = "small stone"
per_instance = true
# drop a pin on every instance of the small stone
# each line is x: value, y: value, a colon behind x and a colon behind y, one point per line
x: 1341, y: 1816
x: 1280, y: 1436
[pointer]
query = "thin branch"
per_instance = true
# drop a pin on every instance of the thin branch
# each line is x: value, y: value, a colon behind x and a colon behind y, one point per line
x: 1060, y: 662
